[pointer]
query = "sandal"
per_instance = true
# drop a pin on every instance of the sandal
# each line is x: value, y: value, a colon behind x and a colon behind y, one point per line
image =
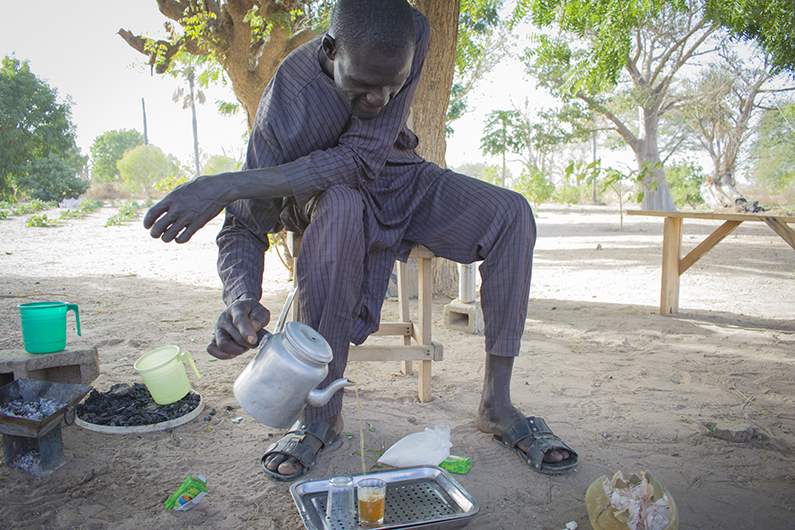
x: 544, y: 441
x: 290, y: 445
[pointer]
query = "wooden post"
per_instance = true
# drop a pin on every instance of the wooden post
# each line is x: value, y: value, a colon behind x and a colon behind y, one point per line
x: 403, y: 310
x: 672, y: 251
x: 424, y: 329
x: 294, y: 245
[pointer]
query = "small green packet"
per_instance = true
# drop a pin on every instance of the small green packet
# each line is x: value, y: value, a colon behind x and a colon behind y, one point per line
x: 188, y: 494
x: 456, y: 464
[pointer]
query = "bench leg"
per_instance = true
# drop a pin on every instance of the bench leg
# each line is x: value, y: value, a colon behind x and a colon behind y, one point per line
x: 425, y: 319
x: 403, y: 310
x: 671, y: 254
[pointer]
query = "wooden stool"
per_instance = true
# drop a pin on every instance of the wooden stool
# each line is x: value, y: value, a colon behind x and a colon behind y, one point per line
x: 425, y: 351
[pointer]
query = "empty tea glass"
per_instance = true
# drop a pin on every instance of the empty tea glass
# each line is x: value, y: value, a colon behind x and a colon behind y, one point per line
x: 340, y: 504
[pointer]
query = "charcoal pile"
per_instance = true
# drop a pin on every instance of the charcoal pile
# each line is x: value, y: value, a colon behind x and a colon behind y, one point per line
x: 130, y: 406
x: 33, y: 410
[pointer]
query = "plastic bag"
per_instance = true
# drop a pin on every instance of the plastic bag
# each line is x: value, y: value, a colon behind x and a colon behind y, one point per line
x: 426, y: 448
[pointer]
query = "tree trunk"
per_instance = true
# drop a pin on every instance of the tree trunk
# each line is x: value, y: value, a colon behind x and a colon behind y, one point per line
x: 719, y: 191
x: 657, y: 193
x: 250, y: 67
x: 429, y: 110
x: 195, y: 124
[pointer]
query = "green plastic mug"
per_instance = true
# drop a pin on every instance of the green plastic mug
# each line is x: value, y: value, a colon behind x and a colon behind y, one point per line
x: 164, y: 373
x: 44, y: 325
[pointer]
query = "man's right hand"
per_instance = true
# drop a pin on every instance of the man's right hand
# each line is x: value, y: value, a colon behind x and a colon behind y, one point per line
x: 237, y: 327
x: 189, y: 207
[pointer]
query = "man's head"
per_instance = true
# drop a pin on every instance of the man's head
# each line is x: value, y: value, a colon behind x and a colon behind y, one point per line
x: 368, y: 51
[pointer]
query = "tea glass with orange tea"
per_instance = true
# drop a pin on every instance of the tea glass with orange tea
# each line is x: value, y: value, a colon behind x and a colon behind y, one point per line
x: 371, y: 493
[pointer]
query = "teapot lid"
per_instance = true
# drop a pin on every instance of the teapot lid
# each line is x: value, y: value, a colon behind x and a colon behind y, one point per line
x: 308, y: 342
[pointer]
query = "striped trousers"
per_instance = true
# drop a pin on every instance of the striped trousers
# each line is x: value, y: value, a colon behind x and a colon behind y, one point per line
x: 347, y: 256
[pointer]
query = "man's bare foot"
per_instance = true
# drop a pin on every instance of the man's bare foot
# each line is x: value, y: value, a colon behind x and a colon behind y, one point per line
x: 289, y: 465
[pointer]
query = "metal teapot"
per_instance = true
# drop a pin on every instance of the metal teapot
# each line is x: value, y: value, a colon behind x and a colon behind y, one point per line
x: 281, y: 380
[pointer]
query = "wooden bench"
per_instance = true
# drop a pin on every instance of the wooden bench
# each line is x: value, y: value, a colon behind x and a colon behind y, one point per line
x: 673, y: 265
x: 424, y: 351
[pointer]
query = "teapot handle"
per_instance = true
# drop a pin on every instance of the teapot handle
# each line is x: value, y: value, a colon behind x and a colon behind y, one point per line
x: 285, y: 309
x: 264, y: 334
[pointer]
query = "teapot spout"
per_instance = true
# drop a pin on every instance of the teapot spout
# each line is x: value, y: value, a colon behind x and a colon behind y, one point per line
x: 318, y: 398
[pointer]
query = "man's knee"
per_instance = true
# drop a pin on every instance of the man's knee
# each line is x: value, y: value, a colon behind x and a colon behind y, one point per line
x: 340, y: 205
x: 520, y: 216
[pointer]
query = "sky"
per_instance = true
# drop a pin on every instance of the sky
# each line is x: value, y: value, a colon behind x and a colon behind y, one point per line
x: 78, y: 52
x: 75, y: 48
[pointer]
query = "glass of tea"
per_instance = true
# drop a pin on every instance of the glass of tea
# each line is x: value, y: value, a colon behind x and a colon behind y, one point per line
x: 371, y: 493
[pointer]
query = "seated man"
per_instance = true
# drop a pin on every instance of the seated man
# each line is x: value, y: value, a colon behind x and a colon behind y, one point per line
x: 330, y: 155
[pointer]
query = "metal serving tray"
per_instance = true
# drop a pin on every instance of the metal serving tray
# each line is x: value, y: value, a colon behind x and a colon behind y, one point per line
x: 417, y: 497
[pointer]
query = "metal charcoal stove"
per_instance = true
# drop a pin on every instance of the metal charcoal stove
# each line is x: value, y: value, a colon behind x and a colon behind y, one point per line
x: 22, y: 435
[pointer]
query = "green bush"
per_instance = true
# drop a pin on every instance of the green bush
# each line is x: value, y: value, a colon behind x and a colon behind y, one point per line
x: 534, y: 186
x: 142, y: 167
x: 568, y: 193
x: 126, y: 213
x: 41, y: 220
x: 34, y: 206
x: 86, y: 206
x: 685, y: 178
x: 53, y: 178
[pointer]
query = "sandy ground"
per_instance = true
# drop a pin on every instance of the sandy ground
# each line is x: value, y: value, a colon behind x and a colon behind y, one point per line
x: 627, y: 388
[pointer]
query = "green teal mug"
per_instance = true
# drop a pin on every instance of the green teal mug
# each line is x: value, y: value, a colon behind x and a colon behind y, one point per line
x: 44, y: 325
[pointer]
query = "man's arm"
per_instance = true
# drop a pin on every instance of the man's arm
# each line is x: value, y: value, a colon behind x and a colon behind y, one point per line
x: 193, y: 204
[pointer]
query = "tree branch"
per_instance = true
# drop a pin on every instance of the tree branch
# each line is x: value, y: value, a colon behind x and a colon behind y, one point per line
x: 622, y: 129
x: 135, y: 42
x: 173, y: 9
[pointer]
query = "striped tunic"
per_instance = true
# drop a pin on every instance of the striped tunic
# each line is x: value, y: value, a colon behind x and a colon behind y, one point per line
x: 370, y: 199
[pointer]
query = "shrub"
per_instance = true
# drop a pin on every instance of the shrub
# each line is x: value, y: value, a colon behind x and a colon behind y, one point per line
x: 126, y: 213
x: 41, y: 220
x: 34, y: 206
x: 86, y: 206
x: 684, y: 179
x: 534, y: 186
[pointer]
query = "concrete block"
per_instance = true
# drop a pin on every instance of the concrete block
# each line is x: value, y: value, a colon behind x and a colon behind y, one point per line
x: 467, y: 317
x: 72, y: 366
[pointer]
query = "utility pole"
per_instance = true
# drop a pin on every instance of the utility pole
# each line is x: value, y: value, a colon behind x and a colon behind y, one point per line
x: 143, y: 107
x: 593, y: 140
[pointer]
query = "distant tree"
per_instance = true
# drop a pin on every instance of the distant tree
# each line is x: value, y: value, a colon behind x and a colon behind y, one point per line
x: 37, y: 137
x: 188, y: 67
x: 604, y: 51
x: 478, y: 50
x: 534, y: 185
x: 770, y: 23
x: 503, y: 133
x: 219, y: 164
x: 719, y: 106
x: 773, y: 151
x: 52, y: 178
x: 144, y: 166
x: 107, y: 149
x: 247, y: 41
